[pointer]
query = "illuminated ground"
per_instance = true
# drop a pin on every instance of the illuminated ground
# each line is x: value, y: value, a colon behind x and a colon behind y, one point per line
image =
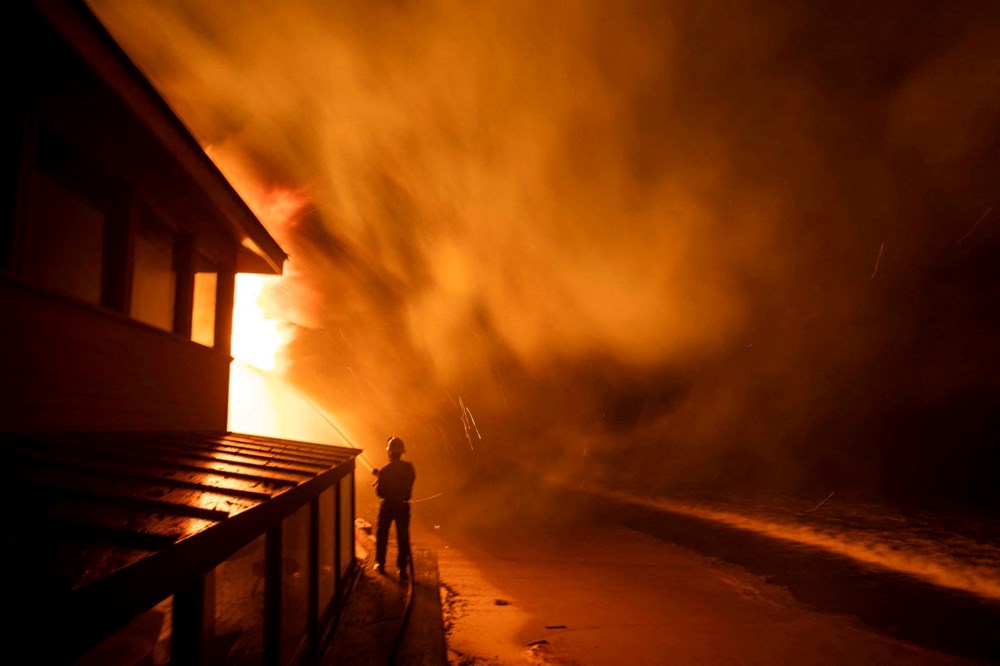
x: 622, y: 584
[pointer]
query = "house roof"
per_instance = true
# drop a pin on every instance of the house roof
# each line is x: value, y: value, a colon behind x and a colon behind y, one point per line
x: 87, y: 36
x: 117, y: 521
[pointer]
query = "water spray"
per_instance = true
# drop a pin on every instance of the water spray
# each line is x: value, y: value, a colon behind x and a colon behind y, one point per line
x: 330, y: 422
x: 271, y: 375
x: 361, y: 453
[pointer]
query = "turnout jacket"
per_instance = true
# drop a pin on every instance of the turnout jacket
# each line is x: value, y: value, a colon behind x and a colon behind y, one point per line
x: 395, y: 481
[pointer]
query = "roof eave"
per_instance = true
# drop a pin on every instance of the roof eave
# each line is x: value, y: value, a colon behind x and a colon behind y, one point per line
x: 84, y: 32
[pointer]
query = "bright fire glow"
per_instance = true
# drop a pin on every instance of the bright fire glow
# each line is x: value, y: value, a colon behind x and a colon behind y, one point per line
x: 261, y: 401
x: 256, y: 337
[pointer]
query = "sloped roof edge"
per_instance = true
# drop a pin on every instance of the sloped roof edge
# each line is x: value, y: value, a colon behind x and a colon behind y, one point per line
x: 85, y: 33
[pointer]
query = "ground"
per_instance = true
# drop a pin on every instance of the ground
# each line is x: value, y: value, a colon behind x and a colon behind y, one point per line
x: 617, y: 585
x: 608, y: 595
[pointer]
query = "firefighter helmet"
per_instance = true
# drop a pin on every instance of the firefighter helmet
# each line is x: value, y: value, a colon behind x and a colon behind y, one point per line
x: 395, y: 445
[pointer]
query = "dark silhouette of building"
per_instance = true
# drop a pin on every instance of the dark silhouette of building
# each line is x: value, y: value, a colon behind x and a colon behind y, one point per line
x: 136, y: 528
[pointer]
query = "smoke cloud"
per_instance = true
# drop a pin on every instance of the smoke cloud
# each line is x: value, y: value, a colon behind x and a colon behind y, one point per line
x: 645, y: 244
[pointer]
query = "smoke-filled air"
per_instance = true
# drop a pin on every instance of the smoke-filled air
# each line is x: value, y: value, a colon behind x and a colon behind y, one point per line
x: 653, y: 246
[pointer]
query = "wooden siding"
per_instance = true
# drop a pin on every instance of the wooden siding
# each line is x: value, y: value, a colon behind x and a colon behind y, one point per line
x: 69, y: 366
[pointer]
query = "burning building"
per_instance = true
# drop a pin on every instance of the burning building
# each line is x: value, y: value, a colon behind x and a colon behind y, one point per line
x: 137, y: 528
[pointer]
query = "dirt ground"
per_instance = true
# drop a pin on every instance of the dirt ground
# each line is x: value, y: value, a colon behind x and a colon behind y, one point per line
x: 604, y: 595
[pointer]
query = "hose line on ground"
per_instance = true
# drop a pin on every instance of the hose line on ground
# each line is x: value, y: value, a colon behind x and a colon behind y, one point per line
x: 407, y: 611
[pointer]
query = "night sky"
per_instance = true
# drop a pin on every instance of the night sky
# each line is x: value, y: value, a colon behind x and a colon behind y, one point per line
x: 659, y: 245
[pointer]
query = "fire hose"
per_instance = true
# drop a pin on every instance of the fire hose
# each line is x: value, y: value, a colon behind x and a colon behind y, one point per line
x: 397, y: 640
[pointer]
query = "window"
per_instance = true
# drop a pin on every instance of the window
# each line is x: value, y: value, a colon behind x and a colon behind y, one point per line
x: 294, y: 590
x: 154, y: 278
x: 346, y: 523
x: 327, y: 545
x: 237, y: 625
x: 87, y: 235
x: 206, y: 281
x: 65, y: 240
x: 144, y: 640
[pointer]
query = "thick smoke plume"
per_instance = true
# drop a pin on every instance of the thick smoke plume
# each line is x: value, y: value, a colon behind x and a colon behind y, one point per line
x: 650, y: 244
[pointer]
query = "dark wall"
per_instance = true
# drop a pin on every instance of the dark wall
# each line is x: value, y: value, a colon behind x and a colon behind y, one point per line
x: 69, y: 366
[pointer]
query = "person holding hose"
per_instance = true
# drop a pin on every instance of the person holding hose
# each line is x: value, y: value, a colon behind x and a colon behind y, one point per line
x: 394, y: 486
